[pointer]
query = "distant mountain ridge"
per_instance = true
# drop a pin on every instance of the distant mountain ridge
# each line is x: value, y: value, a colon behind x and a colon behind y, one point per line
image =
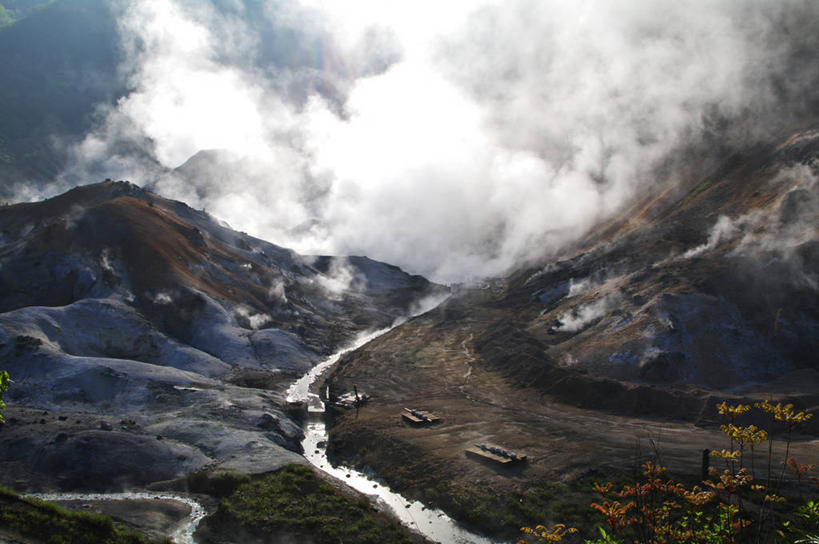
x: 58, y: 63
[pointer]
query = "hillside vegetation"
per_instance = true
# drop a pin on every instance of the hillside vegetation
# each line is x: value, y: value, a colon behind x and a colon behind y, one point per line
x: 295, y: 502
x: 736, y: 500
x: 40, y: 521
x: 12, y: 11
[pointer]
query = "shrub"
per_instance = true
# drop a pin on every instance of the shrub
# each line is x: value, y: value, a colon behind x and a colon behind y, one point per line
x: 295, y: 500
x: 730, y: 506
x: 50, y: 523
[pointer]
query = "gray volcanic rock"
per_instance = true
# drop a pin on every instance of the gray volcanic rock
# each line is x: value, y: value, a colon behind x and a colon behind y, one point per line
x: 118, y: 302
x: 84, y: 460
x: 714, y: 285
x: 106, y: 328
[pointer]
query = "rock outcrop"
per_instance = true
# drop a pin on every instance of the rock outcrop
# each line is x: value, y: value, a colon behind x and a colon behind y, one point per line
x: 116, y: 301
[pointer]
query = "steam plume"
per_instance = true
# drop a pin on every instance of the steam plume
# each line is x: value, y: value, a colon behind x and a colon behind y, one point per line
x: 455, y: 140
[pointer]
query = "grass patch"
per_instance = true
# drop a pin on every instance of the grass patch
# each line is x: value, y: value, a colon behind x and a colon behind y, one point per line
x: 696, y: 190
x: 478, y: 505
x: 503, y: 515
x: 56, y: 525
x: 295, y: 500
x: 219, y: 485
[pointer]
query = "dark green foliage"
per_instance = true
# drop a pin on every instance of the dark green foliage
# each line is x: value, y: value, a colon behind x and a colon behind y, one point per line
x: 42, y: 520
x: 505, y: 514
x: 295, y: 500
x: 5, y: 381
x: 221, y: 484
x: 224, y: 484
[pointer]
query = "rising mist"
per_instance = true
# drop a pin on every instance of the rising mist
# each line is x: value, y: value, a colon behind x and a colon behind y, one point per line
x: 454, y: 141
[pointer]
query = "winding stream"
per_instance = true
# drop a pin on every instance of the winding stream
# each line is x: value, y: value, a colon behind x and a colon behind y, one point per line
x: 183, y: 535
x: 434, y: 524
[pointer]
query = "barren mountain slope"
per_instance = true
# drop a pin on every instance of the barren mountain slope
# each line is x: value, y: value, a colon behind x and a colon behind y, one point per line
x: 127, y: 318
x: 704, y: 292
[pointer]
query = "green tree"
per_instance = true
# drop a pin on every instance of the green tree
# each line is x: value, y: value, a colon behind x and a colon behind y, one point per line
x: 5, y: 381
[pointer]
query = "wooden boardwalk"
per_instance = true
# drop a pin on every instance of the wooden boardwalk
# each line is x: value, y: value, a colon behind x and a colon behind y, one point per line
x: 495, y: 453
x: 420, y: 417
x: 352, y: 399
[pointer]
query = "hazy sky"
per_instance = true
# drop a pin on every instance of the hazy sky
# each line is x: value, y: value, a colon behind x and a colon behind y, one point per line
x: 454, y: 139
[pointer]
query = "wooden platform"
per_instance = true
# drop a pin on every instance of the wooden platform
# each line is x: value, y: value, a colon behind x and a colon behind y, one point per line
x: 420, y: 417
x: 350, y: 400
x: 509, y: 458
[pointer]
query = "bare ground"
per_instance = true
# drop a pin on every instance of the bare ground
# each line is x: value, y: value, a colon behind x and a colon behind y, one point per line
x: 430, y: 367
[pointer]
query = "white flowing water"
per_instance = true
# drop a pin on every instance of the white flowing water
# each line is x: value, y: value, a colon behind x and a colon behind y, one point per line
x: 183, y: 535
x: 434, y: 524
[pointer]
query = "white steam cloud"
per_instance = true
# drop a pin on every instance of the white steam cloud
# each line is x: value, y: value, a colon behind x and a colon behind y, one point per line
x: 255, y: 320
x: 278, y: 291
x: 786, y: 224
x: 455, y: 139
x: 783, y: 232
x: 795, y: 221
x: 339, y: 279
x: 723, y: 229
x: 581, y: 316
x: 105, y: 260
x: 163, y: 298
x: 579, y: 287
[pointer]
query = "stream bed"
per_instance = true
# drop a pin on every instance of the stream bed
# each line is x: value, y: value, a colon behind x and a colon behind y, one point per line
x: 434, y: 524
x: 182, y: 535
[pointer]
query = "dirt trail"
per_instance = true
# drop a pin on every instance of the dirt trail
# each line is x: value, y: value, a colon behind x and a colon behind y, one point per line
x: 470, y: 361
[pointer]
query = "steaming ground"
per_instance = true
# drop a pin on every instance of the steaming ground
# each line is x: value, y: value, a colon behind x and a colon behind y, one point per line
x: 455, y: 141
x: 147, y: 341
x: 665, y: 158
x: 615, y: 353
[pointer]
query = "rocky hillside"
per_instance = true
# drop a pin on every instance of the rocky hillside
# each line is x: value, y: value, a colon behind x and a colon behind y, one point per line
x: 127, y: 318
x: 618, y: 348
x: 712, y: 284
